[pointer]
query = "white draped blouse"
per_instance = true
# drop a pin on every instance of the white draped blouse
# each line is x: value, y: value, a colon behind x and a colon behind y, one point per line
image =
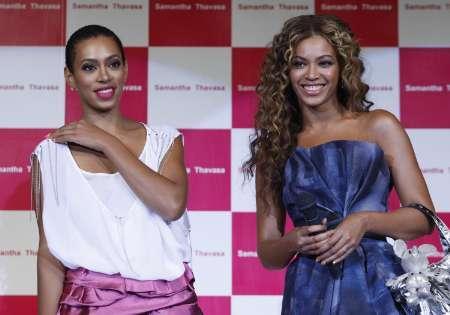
x: 85, y: 225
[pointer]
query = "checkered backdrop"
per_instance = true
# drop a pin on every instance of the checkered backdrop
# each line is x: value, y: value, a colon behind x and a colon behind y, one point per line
x: 194, y: 65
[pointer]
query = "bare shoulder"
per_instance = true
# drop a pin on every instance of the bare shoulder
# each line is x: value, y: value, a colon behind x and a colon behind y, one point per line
x: 134, y: 127
x: 385, y: 130
x: 381, y: 119
x: 135, y: 131
x: 382, y: 124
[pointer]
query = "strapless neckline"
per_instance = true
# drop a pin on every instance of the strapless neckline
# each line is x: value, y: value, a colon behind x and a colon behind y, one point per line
x: 338, y: 143
x: 316, y: 146
x: 338, y: 171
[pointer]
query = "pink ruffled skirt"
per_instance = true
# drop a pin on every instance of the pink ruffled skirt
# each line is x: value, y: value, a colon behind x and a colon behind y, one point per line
x: 88, y: 292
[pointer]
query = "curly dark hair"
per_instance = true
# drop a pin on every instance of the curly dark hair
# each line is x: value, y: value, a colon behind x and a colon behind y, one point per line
x: 278, y: 119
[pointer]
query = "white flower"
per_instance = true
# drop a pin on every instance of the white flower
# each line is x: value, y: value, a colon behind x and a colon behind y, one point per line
x: 414, y: 259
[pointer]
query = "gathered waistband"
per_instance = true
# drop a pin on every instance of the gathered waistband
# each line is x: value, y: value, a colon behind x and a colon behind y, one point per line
x: 90, y: 288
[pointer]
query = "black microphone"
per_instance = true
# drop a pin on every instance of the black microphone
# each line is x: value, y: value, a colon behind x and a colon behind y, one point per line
x: 311, y: 212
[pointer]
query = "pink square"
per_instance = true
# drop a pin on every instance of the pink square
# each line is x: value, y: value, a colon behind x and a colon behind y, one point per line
x: 425, y: 87
x: 217, y: 305
x: 190, y: 23
x: 249, y: 276
x: 246, y: 71
x: 15, y: 175
x: 134, y: 97
x: 23, y: 305
x: 32, y: 23
x: 365, y: 19
x: 393, y: 200
x: 207, y: 157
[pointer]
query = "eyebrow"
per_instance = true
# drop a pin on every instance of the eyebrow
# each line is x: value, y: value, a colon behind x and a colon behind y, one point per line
x: 96, y: 61
x: 320, y: 57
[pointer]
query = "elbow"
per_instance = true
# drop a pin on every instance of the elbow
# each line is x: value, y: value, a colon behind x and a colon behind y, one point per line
x: 175, y: 216
x: 419, y: 231
x: 175, y: 209
x: 418, y: 225
x: 267, y: 263
x: 425, y: 227
x: 424, y: 231
x: 269, y: 266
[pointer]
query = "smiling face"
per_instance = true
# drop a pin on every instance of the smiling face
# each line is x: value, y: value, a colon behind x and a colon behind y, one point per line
x: 314, y: 73
x: 99, y: 73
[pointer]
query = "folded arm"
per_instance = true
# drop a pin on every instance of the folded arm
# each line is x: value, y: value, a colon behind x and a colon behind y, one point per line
x: 164, y: 191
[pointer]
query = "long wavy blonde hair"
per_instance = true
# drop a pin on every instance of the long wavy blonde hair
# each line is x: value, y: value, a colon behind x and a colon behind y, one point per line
x: 278, y: 119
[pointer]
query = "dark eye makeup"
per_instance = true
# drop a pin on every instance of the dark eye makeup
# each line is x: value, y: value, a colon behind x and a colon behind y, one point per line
x: 115, y: 63
x: 92, y: 65
x: 89, y: 67
x: 326, y: 63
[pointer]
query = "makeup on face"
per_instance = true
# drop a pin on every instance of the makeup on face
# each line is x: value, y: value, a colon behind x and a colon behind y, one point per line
x: 99, y: 72
x: 314, y: 71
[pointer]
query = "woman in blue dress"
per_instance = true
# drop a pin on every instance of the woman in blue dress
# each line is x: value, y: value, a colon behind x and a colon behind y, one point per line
x: 316, y: 140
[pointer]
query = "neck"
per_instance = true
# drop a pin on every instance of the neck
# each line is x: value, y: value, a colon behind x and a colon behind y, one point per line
x: 322, y: 115
x: 111, y: 121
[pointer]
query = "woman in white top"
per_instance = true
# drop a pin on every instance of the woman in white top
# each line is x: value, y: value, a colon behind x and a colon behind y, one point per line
x: 110, y: 196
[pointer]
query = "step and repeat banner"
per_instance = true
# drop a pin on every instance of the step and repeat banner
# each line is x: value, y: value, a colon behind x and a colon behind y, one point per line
x: 194, y: 64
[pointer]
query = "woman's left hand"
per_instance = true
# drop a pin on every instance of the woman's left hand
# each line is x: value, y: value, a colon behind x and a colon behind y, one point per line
x: 82, y: 133
x: 345, y: 239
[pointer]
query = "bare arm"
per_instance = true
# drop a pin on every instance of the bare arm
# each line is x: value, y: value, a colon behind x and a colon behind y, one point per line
x: 50, y: 272
x: 165, y: 192
x: 276, y: 250
x: 405, y: 223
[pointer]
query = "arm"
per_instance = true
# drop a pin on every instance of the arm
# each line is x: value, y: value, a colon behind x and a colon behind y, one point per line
x: 50, y: 272
x: 408, y: 181
x: 405, y: 223
x: 165, y: 192
x: 276, y: 250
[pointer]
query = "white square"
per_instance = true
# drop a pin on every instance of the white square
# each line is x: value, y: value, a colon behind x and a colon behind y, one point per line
x: 432, y: 148
x: 243, y: 194
x: 254, y: 304
x: 255, y: 23
x: 128, y: 19
x: 424, y: 23
x: 190, y: 87
x: 32, y: 88
x: 211, y: 252
x: 19, y: 240
x: 382, y: 75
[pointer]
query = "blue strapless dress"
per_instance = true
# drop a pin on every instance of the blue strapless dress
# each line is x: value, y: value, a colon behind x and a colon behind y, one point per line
x: 346, y: 176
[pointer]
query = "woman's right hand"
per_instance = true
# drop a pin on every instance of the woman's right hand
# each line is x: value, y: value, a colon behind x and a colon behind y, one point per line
x: 311, y: 240
x: 83, y: 133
